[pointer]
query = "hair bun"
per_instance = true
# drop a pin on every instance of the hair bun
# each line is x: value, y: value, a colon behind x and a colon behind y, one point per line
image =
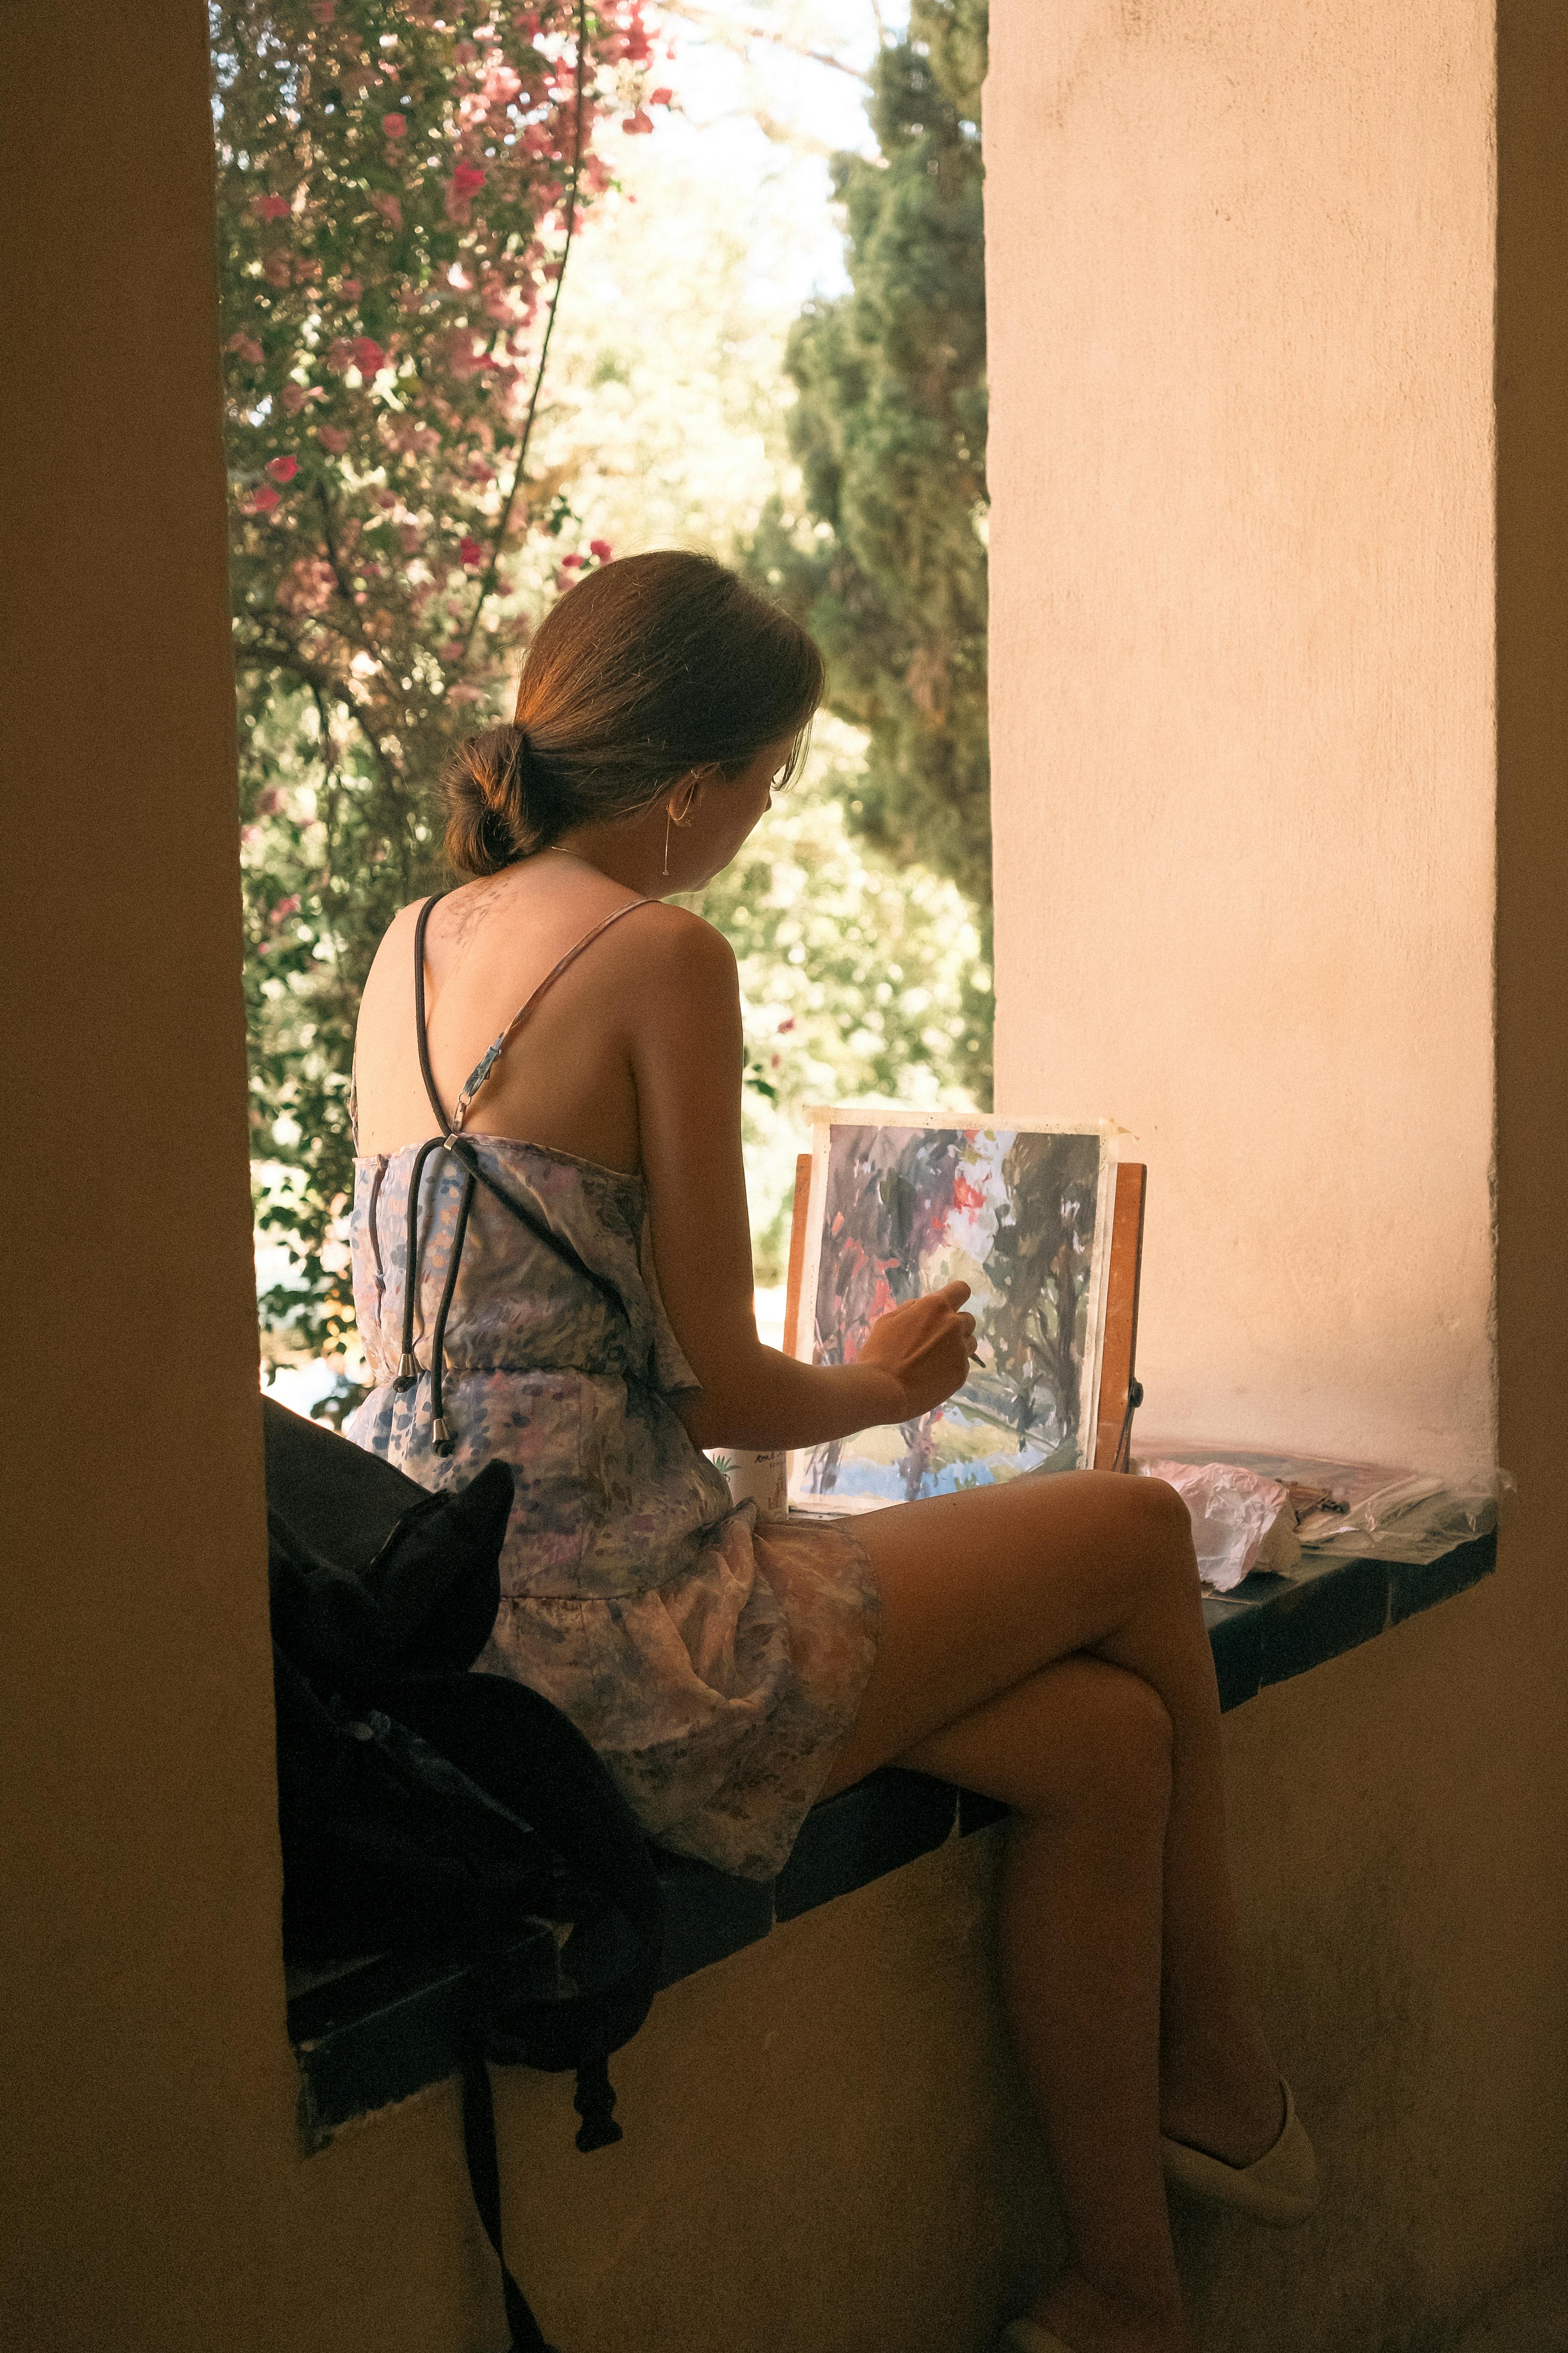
x: 484, y: 785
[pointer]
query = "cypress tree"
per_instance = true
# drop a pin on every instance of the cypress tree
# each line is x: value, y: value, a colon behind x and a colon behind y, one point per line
x: 886, y: 565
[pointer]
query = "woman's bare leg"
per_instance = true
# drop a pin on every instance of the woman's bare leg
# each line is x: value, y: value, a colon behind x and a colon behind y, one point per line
x: 1082, y: 1752
x: 980, y: 1592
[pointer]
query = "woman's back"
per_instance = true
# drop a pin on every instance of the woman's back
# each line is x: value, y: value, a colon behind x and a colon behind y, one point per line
x: 566, y: 1076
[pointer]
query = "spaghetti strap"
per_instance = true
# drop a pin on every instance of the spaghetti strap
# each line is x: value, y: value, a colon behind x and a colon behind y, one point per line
x: 421, y: 1030
x: 492, y: 1054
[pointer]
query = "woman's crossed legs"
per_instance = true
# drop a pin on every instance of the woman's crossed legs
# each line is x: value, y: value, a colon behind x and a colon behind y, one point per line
x: 1043, y: 1642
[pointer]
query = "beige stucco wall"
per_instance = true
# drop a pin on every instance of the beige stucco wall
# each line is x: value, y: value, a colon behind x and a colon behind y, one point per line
x: 1241, y: 458
x: 1280, y: 734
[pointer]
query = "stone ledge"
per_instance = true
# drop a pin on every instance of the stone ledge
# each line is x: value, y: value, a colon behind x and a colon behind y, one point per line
x: 381, y: 2029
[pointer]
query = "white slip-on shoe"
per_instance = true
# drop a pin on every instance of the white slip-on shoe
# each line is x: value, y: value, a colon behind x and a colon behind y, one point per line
x: 1027, y: 2335
x: 1281, y: 2188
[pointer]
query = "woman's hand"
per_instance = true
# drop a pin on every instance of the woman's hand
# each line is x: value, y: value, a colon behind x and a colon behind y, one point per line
x: 925, y: 1347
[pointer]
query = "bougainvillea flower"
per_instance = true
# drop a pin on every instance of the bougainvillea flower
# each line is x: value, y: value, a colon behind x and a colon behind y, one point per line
x: 351, y: 289
x: 263, y: 500
x: 393, y: 125
x: 248, y: 347
x: 502, y: 83
x: 333, y: 438
x: 470, y: 552
x: 602, y: 549
x: 269, y: 207
x: 369, y: 357
x: 282, y: 469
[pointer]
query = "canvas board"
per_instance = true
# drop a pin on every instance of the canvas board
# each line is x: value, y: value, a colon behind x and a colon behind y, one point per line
x: 902, y: 1202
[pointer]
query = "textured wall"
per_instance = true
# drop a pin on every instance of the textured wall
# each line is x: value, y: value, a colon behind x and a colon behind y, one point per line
x: 1241, y: 456
x: 1280, y: 731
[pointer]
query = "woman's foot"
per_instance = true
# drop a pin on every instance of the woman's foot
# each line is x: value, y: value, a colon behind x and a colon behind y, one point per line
x: 1223, y: 2096
x: 1087, y: 2320
x: 1280, y: 2187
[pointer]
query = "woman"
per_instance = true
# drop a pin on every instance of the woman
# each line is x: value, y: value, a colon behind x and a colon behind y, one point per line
x: 566, y: 1182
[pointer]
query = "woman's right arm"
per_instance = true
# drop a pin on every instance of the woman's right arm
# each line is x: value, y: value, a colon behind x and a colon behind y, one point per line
x: 685, y: 1042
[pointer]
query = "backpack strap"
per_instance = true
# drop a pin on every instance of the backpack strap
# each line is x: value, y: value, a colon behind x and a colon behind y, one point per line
x: 484, y: 2178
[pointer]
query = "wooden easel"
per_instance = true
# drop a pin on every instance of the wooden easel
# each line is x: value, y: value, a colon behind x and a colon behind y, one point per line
x: 1120, y: 1393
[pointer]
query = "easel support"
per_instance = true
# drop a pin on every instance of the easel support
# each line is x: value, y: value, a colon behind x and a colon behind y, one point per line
x: 1120, y: 1391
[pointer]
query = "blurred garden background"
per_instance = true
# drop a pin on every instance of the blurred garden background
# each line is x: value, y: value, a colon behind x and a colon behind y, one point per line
x: 508, y: 294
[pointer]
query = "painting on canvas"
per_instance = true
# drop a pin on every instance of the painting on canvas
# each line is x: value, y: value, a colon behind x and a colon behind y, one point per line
x: 901, y: 1205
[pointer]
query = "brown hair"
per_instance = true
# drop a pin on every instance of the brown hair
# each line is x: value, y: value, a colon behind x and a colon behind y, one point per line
x: 653, y: 667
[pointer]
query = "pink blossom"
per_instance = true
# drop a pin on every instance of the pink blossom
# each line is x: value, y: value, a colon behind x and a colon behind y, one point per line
x: 307, y: 586
x: 333, y: 438
x: 269, y: 803
x: 285, y: 907
x: 293, y: 397
x: 351, y: 289
x: 247, y: 348
x: 502, y: 82
x: 661, y: 97
x: 368, y: 355
x: 570, y: 563
x: 461, y: 189
x: 408, y: 532
x: 388, y: 204
x: 454, y: 649
x: 393, y: 125
x: 640, y: 120
x: 470, y: 552
x: 323, y: 11
x: 269, y: 207
x: 600, y: 548
x: 263, y: 500
x: 275, y: 267
x: 282, y: 469
x: 461, y: 356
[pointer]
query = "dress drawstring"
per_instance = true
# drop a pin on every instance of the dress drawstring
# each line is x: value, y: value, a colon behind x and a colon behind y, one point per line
x: 440, y: 1433
x: 407, y: 1365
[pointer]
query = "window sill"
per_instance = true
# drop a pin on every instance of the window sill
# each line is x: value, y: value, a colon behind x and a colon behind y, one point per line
x: 379, y: 2030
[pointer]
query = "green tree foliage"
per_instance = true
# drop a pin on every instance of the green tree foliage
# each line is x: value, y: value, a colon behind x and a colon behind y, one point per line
x: 887, y: 564
x: 398, y: 189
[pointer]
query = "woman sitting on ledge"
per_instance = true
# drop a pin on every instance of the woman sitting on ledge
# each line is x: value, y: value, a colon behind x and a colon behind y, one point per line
x: 582, y: 1306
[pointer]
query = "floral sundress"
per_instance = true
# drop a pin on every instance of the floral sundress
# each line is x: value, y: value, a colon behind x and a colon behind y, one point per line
x: 715, y: 1666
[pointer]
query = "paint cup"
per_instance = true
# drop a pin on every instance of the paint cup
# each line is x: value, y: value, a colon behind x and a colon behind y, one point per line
x: 759, y: 1479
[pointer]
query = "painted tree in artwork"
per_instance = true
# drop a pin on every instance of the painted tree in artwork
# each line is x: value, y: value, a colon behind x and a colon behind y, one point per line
x: 1038, y: 1267
x: 399, y: 188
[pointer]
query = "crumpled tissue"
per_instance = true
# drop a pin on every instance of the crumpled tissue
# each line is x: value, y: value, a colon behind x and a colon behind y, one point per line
x: 1241, y: 1520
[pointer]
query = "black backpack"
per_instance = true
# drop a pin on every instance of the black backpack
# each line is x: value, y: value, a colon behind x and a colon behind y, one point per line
x: 421, y: 1805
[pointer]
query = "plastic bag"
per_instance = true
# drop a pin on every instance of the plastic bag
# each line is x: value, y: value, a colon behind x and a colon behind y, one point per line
x: 1242, y: 1519
x: 1416, y: 1518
